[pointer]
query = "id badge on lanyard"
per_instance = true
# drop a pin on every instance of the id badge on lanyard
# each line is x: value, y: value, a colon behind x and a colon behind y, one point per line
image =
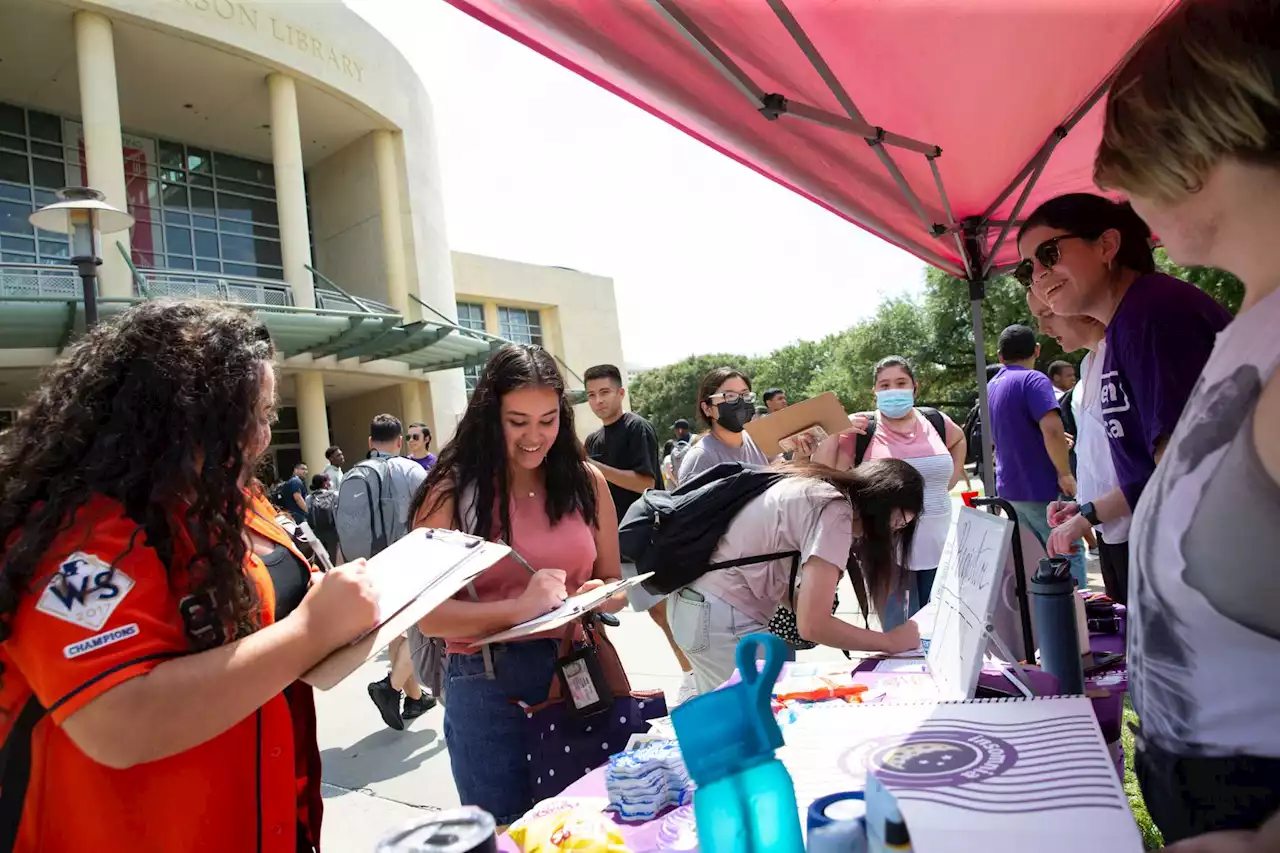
x: 582, y: 680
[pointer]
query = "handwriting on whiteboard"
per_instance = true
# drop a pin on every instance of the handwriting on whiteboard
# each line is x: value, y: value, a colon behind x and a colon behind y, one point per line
x: 973, y: 554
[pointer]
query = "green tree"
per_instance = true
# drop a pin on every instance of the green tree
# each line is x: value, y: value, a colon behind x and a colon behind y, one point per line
x: 1220, y: 284
x: 793, y: 367
x: 933, y: 330
x: 664, y: 394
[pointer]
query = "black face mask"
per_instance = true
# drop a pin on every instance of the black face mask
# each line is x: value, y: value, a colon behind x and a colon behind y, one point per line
x: 734, y: 416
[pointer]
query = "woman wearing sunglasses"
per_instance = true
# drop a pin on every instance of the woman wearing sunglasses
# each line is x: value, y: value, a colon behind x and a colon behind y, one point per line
x: 726, y: 405
x: 1087, y: 255
x: 1193, y: 136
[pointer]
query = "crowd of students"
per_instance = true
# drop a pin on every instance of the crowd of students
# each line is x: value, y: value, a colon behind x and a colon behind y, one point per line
x: 155, y: 616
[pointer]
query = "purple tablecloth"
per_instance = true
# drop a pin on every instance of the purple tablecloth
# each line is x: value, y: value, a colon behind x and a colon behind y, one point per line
x: 1106, y: 689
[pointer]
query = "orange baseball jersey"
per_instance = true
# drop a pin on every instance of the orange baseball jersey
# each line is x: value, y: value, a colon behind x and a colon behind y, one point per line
x: 102, y: 610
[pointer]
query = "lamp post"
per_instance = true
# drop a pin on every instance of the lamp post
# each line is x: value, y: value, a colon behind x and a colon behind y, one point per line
x: 84, y: 214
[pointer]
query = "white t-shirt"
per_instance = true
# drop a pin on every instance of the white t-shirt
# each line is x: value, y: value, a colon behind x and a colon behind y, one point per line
x: 1095, y: 471
x: 795, y: 514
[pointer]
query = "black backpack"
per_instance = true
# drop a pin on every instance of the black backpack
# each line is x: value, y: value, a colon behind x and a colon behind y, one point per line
x: 324, y: 519
x: 673, y: 534
x: 973, y: 435
x: 933, y: 416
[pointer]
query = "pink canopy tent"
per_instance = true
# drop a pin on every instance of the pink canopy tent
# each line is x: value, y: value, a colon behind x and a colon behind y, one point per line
x: 932, y: 123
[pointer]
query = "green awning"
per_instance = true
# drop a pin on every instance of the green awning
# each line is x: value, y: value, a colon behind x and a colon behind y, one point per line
x: 50, y: 322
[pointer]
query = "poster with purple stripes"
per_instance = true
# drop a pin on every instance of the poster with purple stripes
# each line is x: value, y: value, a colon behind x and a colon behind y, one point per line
x: 1009, y: 775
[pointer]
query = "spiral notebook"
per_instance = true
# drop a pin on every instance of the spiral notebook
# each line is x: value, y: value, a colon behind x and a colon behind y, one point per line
x: 998, y: 775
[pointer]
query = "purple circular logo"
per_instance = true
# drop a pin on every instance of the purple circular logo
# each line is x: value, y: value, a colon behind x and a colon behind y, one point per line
x: 933, y: 758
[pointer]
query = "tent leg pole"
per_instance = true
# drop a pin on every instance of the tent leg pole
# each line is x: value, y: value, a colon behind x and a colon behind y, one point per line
x: 977, y: 290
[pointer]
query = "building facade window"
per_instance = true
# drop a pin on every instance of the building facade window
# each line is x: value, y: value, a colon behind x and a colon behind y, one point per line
x: 219, y: 213
x: 471, y: 316
x: 520, y: 325
x: 32, y: 167
x: 194, y: 209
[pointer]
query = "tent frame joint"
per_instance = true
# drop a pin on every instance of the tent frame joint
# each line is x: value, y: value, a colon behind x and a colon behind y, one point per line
x: 773, y: 105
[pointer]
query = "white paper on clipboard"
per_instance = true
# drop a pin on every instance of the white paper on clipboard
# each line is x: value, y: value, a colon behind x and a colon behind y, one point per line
x: 571, y: 609
x: 412, y: 577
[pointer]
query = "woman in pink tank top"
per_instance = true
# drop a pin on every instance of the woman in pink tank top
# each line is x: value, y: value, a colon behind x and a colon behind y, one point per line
x: 515, y: 471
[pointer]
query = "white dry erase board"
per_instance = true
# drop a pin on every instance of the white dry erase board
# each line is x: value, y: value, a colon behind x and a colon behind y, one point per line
x: 414, y: 576
x: 966, y: 592
x: 997, y: 776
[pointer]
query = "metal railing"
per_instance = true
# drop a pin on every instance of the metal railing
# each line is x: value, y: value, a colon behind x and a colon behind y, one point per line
x: 180, y: 284
x: 39, y: 280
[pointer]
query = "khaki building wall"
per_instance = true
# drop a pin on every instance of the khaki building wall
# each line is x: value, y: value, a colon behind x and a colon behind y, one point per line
x: 579, y: 312
x: 349, y: 419
x: 346, y: 221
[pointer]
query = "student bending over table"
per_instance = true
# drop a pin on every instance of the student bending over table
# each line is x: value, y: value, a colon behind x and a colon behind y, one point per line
x: 863, y: 519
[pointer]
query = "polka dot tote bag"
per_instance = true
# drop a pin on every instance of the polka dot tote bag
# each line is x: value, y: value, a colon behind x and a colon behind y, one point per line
x: 562, y: 744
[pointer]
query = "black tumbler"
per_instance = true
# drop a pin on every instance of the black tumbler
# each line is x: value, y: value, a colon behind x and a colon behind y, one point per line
x: 1053, y: 595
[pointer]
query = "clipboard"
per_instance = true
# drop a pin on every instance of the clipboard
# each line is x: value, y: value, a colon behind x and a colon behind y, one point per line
x: 414, y: 576
x: 571, y: 609
x: 824, y: 410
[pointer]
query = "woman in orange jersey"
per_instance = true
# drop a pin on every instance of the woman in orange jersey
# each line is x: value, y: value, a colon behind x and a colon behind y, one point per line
x: 155, y: 619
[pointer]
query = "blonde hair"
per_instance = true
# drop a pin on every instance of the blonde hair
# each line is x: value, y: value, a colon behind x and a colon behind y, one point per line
x: 1203, y: 85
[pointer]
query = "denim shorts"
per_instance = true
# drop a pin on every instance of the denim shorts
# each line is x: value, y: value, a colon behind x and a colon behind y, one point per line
x: 485, y: 730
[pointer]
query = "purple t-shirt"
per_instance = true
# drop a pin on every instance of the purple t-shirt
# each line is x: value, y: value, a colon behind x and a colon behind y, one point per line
x: 1019, y: 399
x: 426, y: 462
x: 1157, y: 343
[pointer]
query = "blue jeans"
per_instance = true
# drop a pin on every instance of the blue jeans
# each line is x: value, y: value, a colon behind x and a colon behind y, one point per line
x: 1035, y: 515
x: 484, y: 728
x: 920, y: 586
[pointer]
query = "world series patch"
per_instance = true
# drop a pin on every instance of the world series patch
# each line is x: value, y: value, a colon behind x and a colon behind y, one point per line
x: 85, y: 591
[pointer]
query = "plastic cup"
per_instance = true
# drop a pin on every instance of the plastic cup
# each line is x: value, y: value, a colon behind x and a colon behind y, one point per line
x: 968, y: 497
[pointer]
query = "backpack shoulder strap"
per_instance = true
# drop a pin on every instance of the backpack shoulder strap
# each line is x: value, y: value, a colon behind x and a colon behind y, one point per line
x: 863, y: 441
x: 936, y: 419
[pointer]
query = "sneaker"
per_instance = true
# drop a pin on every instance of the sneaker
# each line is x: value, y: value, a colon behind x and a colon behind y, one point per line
x: 414, y: 708
x: 688, y: 689
x: 387, y: 700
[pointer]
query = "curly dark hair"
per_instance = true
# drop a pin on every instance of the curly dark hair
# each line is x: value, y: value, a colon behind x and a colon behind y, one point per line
x: 148, y: 409
x: 476, y: 457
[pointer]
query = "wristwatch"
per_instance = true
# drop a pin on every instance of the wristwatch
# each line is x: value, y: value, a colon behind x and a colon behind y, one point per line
x: 1090, y: 513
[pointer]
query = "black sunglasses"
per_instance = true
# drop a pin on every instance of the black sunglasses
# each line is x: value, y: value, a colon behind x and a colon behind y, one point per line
x: 415, y: 436
x: 1047, y: 253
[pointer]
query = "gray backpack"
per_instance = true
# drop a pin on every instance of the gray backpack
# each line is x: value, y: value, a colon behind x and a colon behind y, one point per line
x: 373, y: 510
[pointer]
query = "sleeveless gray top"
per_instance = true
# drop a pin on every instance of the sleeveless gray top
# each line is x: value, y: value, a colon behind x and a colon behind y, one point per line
x: 1204, y: 639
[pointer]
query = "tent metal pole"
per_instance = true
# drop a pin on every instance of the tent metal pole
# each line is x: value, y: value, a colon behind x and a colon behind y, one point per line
x: 1051, y: 142
x: 819, y: 64
x: 951, y: 217
x: 710, y: 50
x: 1022, y: 200
x: 807, y: 112
x: 978, y: 291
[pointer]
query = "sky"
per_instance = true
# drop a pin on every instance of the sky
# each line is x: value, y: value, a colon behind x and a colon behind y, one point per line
x: 544, y: 167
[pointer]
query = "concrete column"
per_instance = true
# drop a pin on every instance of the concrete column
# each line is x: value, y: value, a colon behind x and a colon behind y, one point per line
x: 291, y: 194
x: 492, y: 324
x: 411, y: 407
x: 103, y: 144
x: 313, y: 422
x: 390, y: 213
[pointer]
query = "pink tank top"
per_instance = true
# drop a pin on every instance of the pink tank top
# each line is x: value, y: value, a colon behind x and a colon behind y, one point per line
x: 569, y: 545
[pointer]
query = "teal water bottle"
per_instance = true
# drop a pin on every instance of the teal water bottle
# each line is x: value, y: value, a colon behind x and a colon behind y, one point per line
x: 746, y: 801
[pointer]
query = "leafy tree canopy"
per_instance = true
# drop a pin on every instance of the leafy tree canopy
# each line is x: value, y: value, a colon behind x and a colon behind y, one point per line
x: 933, y: 330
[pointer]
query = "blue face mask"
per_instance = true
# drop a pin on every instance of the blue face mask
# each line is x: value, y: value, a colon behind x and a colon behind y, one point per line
x: 895, y: 402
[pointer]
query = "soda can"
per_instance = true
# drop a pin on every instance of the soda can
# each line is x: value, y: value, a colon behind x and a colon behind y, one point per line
x: 465, y: 830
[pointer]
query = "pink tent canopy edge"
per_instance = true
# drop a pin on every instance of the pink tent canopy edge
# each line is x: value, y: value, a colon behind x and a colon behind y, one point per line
x: 988, y: 82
